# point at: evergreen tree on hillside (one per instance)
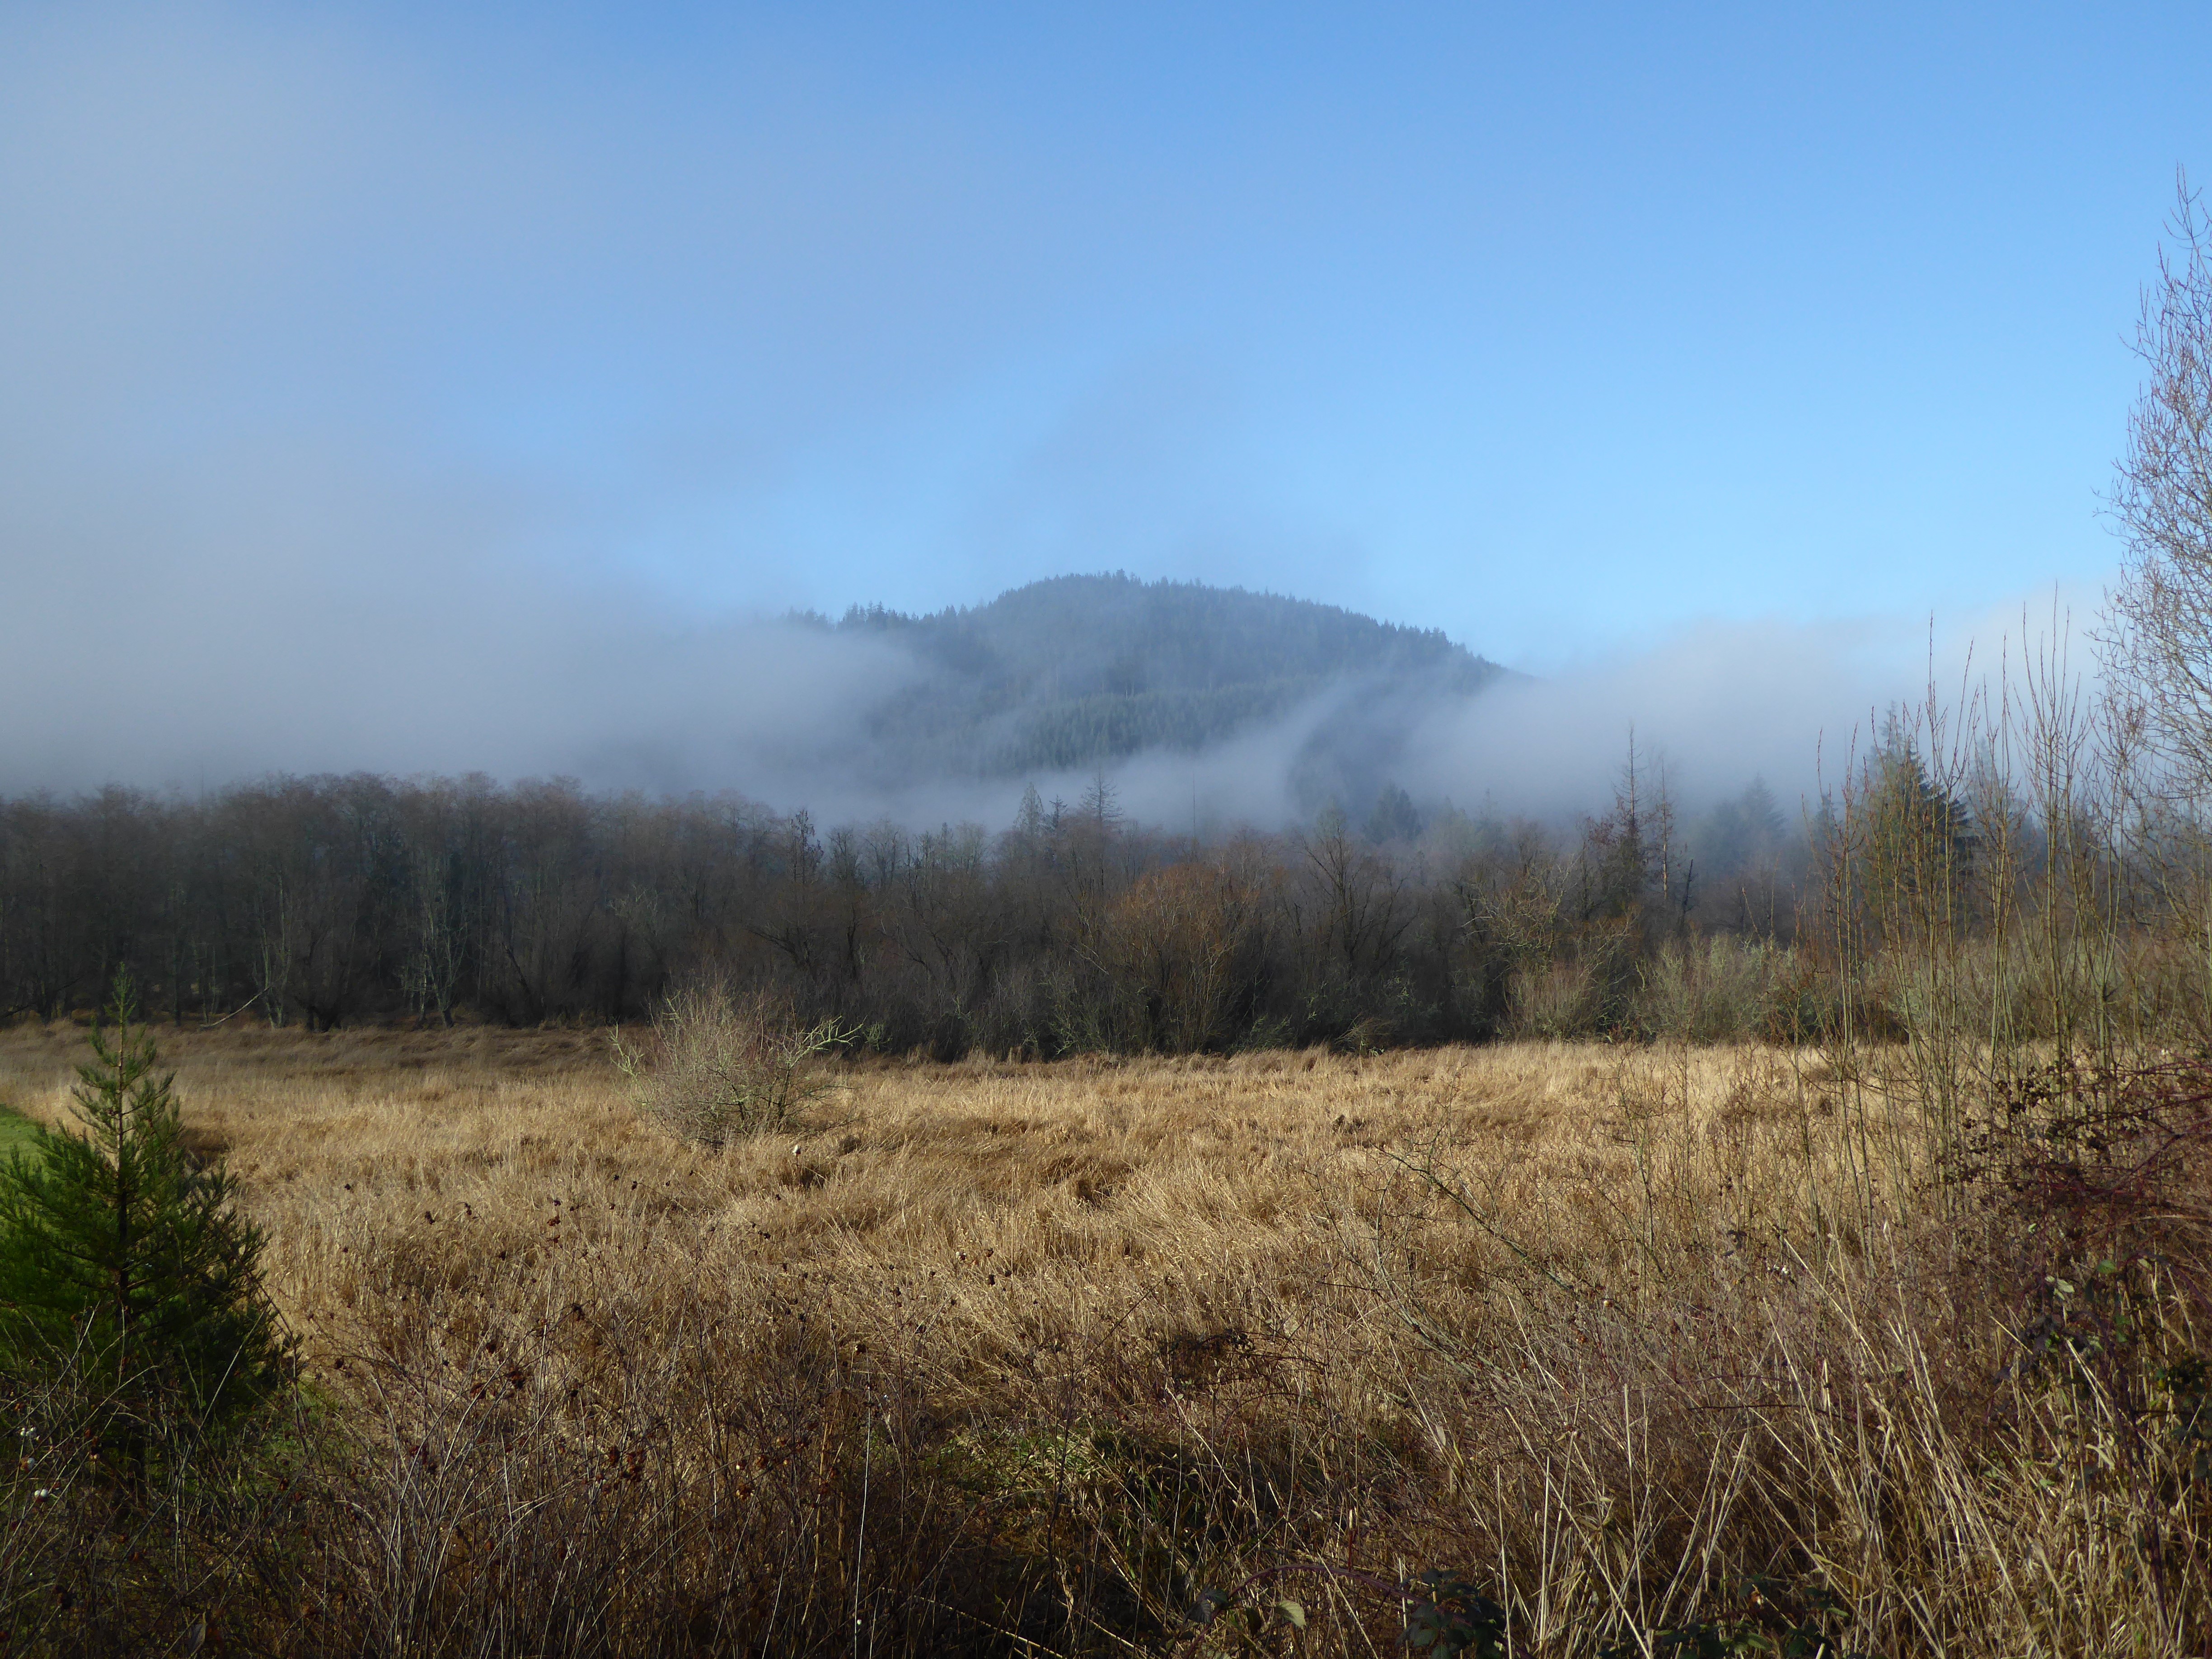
(1394, 817)
(129, 1269)
(1064, 674)
(1738, 831)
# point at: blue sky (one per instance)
(1566, 329)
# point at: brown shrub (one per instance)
(720, 1066)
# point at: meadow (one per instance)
(1628, 1348)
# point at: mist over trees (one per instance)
(1079, 672)
(1377, 917)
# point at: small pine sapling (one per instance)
(127, 1270)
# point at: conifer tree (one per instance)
(128, 1267)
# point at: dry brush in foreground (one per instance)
(1653, 1350)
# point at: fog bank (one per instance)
(224, 662)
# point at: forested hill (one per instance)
(1080, 671)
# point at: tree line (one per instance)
(322, 902)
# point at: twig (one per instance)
(209, 1024)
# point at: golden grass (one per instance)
(1069, 1344)
(1026, 1192)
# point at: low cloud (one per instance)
(1712, 705)
(411, 650)
(230, 661)
(1718, 703)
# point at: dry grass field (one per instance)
(1202, 1355)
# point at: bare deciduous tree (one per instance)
(2160, 638)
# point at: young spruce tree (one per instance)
(125, 1266)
